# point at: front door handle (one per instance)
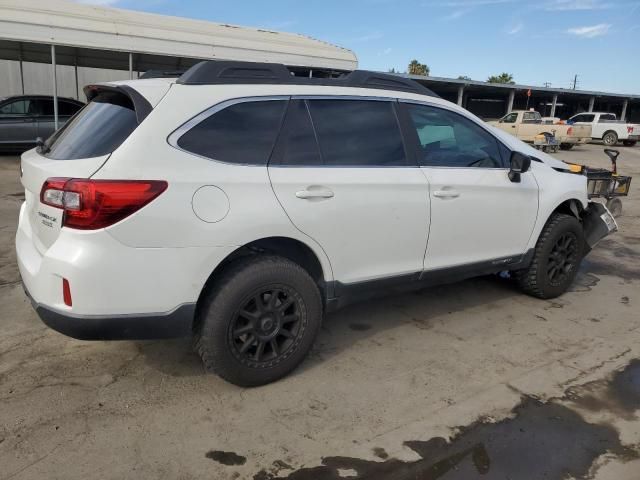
(446, 194)
(311, 192)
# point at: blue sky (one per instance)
(537, 41)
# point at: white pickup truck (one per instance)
(528, 124)
(606, 127)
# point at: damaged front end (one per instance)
(597, 222)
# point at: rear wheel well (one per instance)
(289, 248)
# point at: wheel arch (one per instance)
(287, 247)
(604, 134)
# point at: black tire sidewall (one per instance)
(565, 225)
(223, 302)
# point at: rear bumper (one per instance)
(147, 326)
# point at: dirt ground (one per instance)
(456, 382)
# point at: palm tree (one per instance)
(504, 77)
(417, 68)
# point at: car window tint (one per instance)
(297, 143)
(17, 107)
(67, 108)
(447, 139)
(607, 117)
(243, 133)
(99, 129)
(511, 118)
(357, 133)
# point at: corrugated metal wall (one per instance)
(37, 78)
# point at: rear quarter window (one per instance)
(242, 133)
(97, 130)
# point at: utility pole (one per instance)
(575, 81)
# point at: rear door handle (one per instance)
(314, 193)
(446, 194)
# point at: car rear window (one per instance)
(98, 129)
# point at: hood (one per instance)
(515, 144)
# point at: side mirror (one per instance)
(519, 163)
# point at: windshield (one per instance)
(96, 130)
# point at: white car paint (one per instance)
(379, 223)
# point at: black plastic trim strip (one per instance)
(346, 294)
(174, 324)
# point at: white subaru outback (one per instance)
(239, 203)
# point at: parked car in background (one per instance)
(528, 124)
(606, 127)
(27, 117)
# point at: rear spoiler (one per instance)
(141, 105)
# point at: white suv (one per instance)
(239, 203)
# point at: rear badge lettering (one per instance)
(47, 220)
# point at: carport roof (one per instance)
(497, 87)
(81, 26)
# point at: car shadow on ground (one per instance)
(356, 323)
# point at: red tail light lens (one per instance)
(92, 204)
(570, 131)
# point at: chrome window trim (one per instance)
(452, 110)
(173, 137)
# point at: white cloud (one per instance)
(515, 29)
(467, 3)
(573, 5)
(367, 37)
(590, 31)
(456, 14)
(98, 2)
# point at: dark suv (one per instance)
(26, 117)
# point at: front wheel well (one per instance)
(570, 207)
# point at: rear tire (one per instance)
(566, 146)
(629, 143)
(610, 138)
(556, 258)
(259, 320)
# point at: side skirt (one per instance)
(348, 293)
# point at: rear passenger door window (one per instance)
(358, 133)
(447, 139)
(242, 133)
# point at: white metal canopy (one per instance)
(65, 23)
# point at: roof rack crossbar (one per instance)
(221, 72)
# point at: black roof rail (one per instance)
(222, 72)
(162, 74)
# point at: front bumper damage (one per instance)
(597, 223)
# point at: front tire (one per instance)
(610, 138)
(556, 258)
(259, 320)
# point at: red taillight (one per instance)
(92, 204)
(629, 130)
(570, 131)
(66, 292)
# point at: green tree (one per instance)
(392, 70)
(417, 68)
(463, 77)
(504, 77)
